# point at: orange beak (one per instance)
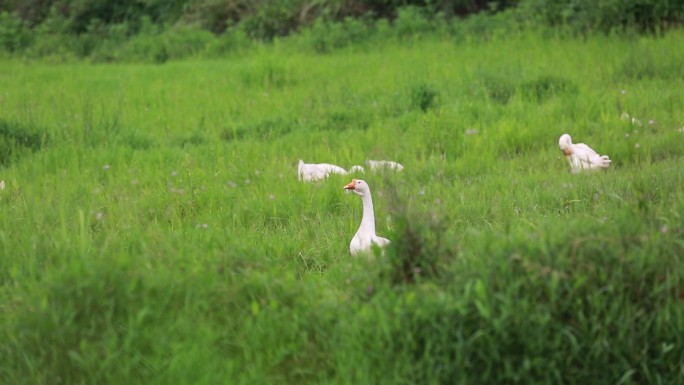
(567, 152)
(351, 185)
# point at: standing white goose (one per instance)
(581, 157)
(365, 236)
(309, 172)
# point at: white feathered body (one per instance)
(584, 158)
(363, 242)
(581, 157)
(310, 172)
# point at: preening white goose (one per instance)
(378, 165)
(309, 172)
(581, 157)
(365, 236)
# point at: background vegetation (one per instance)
(159, 30)
(153, 230)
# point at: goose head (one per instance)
(565, 144)
(358, 186)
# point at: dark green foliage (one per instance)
(194, 139)
(80, 14)
(137, 141)
(98, 29)
(412, 21)
(17, 140)
(606, 16)
(14, 35)
(423, 97)
(501, 87)
(271, 19)
(422, 248)
(325, 36)
(544, 87)
(577, 307)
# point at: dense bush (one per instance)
(606, 16)
(95, 28)
(13, 33)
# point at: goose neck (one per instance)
(368, 220)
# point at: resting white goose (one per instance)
(581, 157)
(310, 172)
(365, 236)
(377, 165)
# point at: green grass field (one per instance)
(153, 230)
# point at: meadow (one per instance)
(153, 230)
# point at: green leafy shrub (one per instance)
(423, 97)
(412, 21)
(271, 19)
(605, 16)
(229, 42)
(325, 35)
(421, 250)
(14, 35)
(576, 306)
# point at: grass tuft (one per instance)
(18, 140)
